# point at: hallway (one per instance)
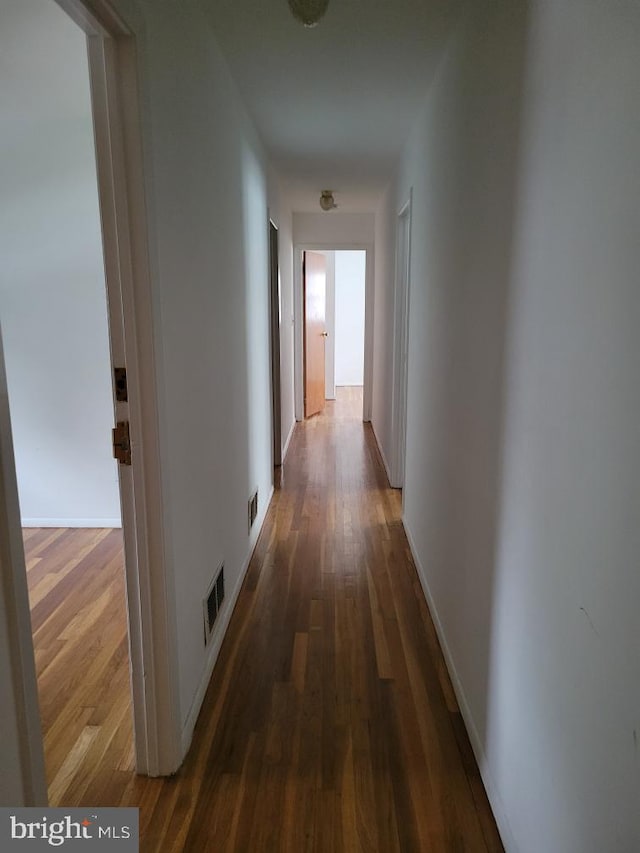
(330, 723)
(484, 155)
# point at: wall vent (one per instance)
(253, 509)
(212, 603)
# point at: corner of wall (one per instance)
(497, 806)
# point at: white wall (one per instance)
(350, 269)
(52, 291)
(522, 476)
(332, 229)
(209, 218)
(568, 533)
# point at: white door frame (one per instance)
(330, 325)
(275, 312)
(22, 750)
(298, 366)
(401, 343)
(113, 72)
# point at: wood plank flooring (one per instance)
(330, 724)
(78, 617)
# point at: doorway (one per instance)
(350, 331)
(56, 344)
(152, 685)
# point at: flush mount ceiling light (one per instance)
(327, 201)
(308, 12)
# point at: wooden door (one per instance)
(314, 295)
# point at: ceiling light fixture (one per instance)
(327, 201)
(308, 12)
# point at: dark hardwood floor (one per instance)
(330, 724)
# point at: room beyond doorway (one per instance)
(346, 289)
(79, 622)
(55, 324)
(360, 311)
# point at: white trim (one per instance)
(369, 301)
(220, 633)
(72, 522)
(495, 800)
(21, 728)
(95, 17)
(288, 441)
(275, 345)
(330, 328)
(399, 391)
(121, 175)
(152, 641)
(298, 332)
(381, 452)
(298, 249)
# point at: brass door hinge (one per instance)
(121, 443)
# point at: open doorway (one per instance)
(54, 318)
(342, 325)
(151, 692)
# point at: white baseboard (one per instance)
(220, 633)
(288, 441)
(499, 813)
(381, 452)
(71, 522)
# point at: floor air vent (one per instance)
(253, 509)
(213, 603)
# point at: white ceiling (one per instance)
(333, 104)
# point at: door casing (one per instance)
(401, 344)
(275, 321)
(113, 71)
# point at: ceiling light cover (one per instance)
(308, 12)
(327, 201)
